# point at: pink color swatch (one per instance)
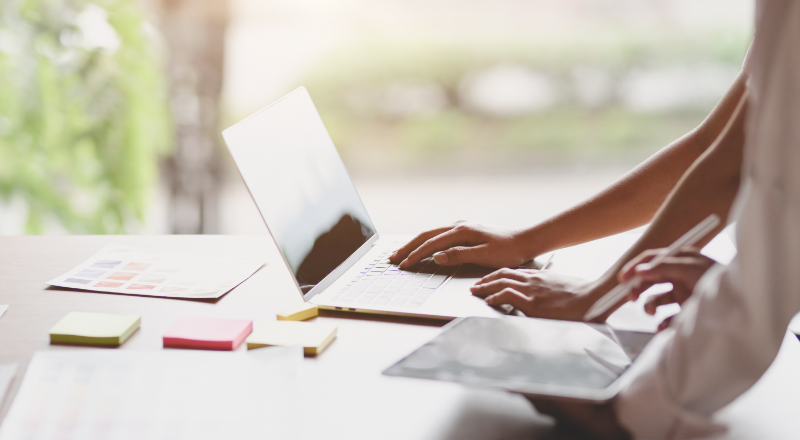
(208, 333)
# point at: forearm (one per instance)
(709, 186)
(633, 200)
(628, 203)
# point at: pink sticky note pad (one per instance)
(208, 333)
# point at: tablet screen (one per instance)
(525, 353)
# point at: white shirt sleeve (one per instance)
(730, 331)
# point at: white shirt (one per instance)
(732, 327)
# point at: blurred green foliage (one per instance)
(562, 134)
(83, 113)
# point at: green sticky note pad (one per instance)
(94, 329)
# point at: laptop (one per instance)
(322, 229)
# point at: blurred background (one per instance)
(502, 111)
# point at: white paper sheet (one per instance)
(121, 269)
(126, 394)
(3, 310)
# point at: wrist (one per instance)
(593, 292)
(534, 241)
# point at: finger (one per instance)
(484, 290)
(627, 270)
(461, 254)
(689, 251)
(637, 289)
(656, 300)
(511, 297)
(665, 323)
(678, 295)
(402, 253)
(682, 272)
(686, 260)
(514, 274)
(445, 240)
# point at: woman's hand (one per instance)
(682, 270)
(536, 293)
(464, 242)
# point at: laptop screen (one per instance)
(301, 187)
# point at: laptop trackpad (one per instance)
(455, 299)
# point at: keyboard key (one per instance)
(364, 300)
(413, 305)
(435, 281)
(398, 301)
(380, 301)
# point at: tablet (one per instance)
(539, 357)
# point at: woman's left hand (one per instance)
(536, 293)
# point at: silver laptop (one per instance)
(323, 231)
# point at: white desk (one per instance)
(343, 394)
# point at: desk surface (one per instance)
(346, 391)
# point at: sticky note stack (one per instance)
(300, 313)
(208, 333)
(312, 336)
(94, 329)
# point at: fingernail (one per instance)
(643, 267)
(440, 258)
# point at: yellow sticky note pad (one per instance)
(314, 337)
(301, 313)
(94, 329)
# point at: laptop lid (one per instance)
(302, 189)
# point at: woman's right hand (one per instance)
(465, 242)
(682, 270)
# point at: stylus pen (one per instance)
(621, 291)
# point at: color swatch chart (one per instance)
(122, 394)
(120, 269)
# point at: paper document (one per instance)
(121, 269)
(126, 394)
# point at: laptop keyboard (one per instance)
(383, 284)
